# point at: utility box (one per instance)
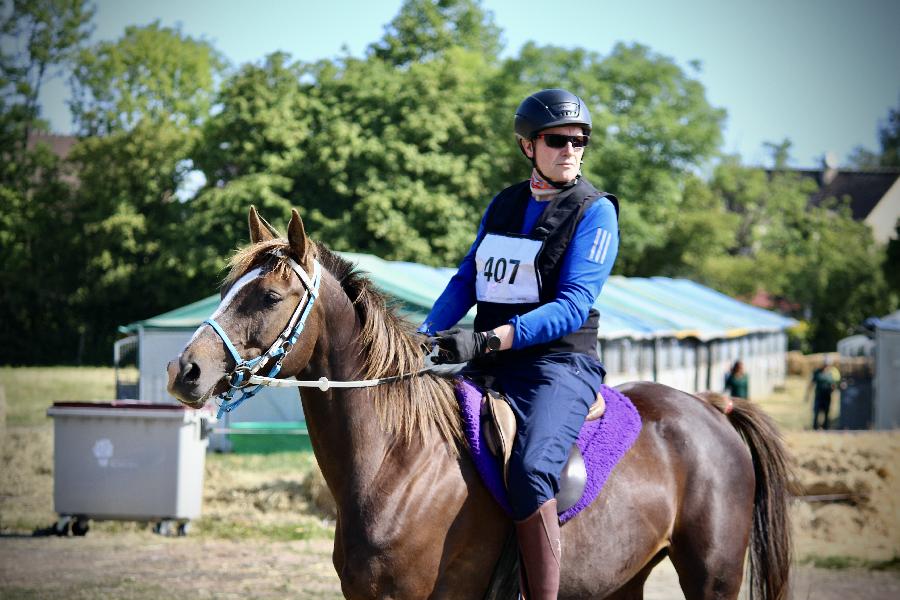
(128, 461)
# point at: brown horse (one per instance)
(413, 518)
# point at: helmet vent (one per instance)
(565, 109)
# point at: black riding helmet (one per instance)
(550, 108)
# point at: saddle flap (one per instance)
(499, 426)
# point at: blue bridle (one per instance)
(239, 378)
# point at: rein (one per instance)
(323, 383)
(245, 371)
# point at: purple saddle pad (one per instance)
(603, 442)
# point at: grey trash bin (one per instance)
(128, 461)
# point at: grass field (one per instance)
(31, 390)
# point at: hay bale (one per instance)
(856, 367)
(796, 364)
(805, 364)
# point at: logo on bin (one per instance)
(103, 451)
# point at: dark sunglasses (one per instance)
(558, 140)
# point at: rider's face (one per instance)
(559, 164)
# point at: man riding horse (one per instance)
(542, 253)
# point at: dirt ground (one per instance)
(269, 498)
(144, 566)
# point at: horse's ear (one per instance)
(297, 240)
(260, 230)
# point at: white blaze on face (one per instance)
(229, 298)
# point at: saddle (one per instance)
(498, 425)
(601, 444)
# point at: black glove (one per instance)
(456, 346)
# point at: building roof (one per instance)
(630, 307)
(60, 145)
(865, 189)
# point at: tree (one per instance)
(266, 118)
(781, 153)
(888, 138)
(152, 73)
(36, 38)
(140, 103)
(816, 258)
(891, 260)
(394, 168)
(40, 258)
(425, 29)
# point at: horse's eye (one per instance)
(271, 298)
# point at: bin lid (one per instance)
(125, 404)
(127, 409)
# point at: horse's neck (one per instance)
(351, 445)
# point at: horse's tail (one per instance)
(770, 540)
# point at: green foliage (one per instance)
(889, 136)
(395, 153)
(37, 37)
(38, 261)
(425, 29)
(816, 258)
(217, 221)
(264, 119)
(781, 153)
(95, 241)
(152, 73)
(892, 260)
(379, 159)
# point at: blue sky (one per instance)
(820, 72)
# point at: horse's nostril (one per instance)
(190, 372)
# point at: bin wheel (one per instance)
(61, 528)
(81, 526)
(184, 528)
(165, 528)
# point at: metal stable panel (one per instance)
(887, 379)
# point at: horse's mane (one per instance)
(388, 346)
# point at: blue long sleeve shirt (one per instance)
(585, 267)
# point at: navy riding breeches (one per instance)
(550, 395)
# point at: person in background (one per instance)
(736, 381)
(824, 381)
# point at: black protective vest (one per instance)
(555, 228)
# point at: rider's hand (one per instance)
(457, 346)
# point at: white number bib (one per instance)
(506, 271)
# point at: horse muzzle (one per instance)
(188, 383)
